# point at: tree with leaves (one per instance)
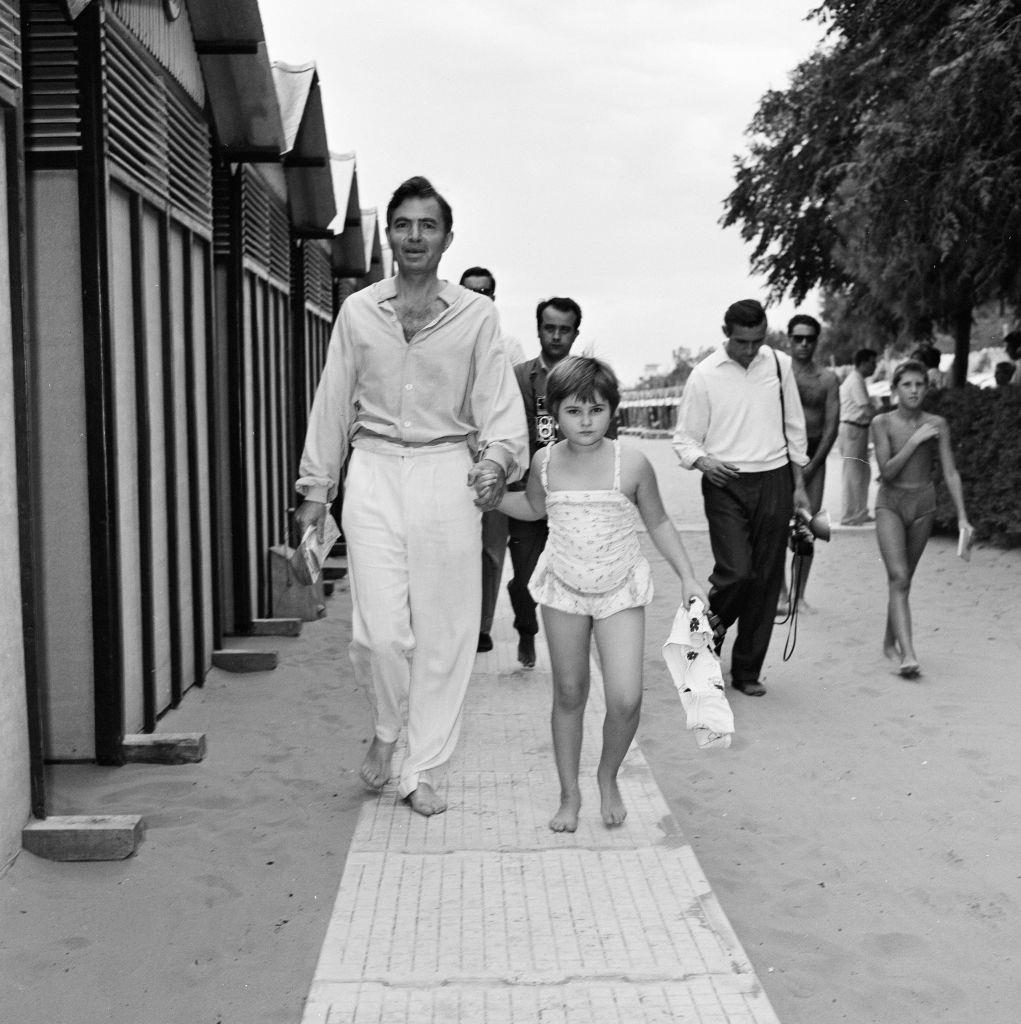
(888, 170)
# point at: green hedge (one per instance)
(985, 429)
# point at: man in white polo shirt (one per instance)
(750, 446)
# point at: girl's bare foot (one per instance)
(891, 649)
(375, 770)
(909, 669)
(426, 801)
(566, 818)
(610, 804)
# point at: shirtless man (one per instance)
(820, 398)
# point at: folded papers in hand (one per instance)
(309, 556)
(965, 535)
(696, 673)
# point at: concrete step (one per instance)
(76, 837)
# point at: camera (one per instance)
(803, 530)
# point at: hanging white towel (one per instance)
(696, 673)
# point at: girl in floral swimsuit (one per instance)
(593, 578)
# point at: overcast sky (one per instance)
(585, 145)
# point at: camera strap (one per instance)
(794, 595)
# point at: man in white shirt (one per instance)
(856, 413)
(418, 384)
(494, 522)
(741, 424)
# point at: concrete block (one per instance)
(164, 748)
(83, 836)
(245, 661)
(275, 627)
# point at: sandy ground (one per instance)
(862, 833)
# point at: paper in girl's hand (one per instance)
(696, 673)
(310, 555)
(964, 538)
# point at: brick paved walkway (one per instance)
(482, 915)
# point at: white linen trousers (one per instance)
(414, 543)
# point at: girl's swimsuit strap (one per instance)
(544, 472)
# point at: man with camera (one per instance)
(741, 424)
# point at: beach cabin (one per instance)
(20, 787)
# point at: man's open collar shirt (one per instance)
(452, 383)
(734, 414)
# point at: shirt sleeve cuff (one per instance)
(314, 491)
(688, 454)
(499, 454)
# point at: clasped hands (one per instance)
(490, 481)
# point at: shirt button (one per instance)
(407, 423)
(409, 387)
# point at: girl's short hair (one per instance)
(909, 366)
(582, 377)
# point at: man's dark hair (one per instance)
(561, 305)
(863, 355)
(1012, 343)
(928, 357)
(419, 188)
(584, 378)
(744, 313)
(803, 319)
(478, 272)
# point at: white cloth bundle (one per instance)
(696, 673)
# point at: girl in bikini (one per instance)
(592, 578)
(908, 443)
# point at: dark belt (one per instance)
(851, 423)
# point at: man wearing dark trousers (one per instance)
(494, 522)
(750, 448)
(557, 320)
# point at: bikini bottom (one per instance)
(910, 504)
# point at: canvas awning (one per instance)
(348, 247)
(377, 255)
(231, 45)
(306, 152)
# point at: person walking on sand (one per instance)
(856, 412)
(418, 384)
(592, 579)
(558, 321)
(740, 423)
(819, 390)
(494, 522)
(909, 443)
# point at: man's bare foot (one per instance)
(426, 801)
(526, 651)
(375, 770)
(611, 805)
(804, 608)
(891, 649)
(566, 818)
